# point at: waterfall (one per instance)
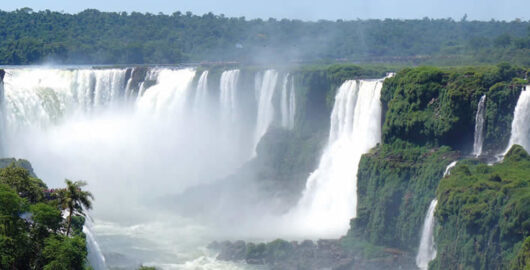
(141, 150)
(329, 200)
(288, 102)
(521, 122)
(449, 167)
(292, 104)
(427, 249)
(479, 127)
(201, 95)
(95, 256)
(264, 93)
(40, 97)
(228, 100)
(2, 113)
(169, 94)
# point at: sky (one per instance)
(301, 9)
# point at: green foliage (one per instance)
(395, 184)
(74, 199)
(522, 261)
(46, 217)
(66, 253)
(20, 179)
(98, 37)
(437, 106)
(31, 225)
(483, 214)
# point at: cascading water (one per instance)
(479, 127)
(427, 249)
(264, 95)
(228, 100)
(521, 122)
(41, 97)
(201, 95)
(95, 256)
(449, 167)
(288, 102)
(79, 123)
(329, 200)
(2, 113)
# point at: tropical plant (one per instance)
(74, 199)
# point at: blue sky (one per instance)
(301, 9)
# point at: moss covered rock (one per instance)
(396, 183)
(484, 215)
(437, 106)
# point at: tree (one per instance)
(75, 200)
(21, 181)
(64, 253)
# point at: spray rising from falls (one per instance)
(264, 93)
(329, 200)
(521, 121)
(479, 127)
(129, 136)
(427, 249)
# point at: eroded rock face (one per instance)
(324, 254)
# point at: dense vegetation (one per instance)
(111, 38)
(484, 215)
(33, 232)
(437, 106)
(394, 181)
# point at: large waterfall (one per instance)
(479, 127)
(129, 135)
(264, 93)
(139, 136)
(329, 200)
(427, 249)
(521, 121)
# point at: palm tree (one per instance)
(75, 200)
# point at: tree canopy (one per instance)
(94, 37)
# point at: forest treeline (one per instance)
(94, 37)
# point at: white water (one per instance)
(288, 102)
(228, 100)
(479, 127)
(2, 118)
(264, 95)
(449, 167)
(135, 155)
(95, 256)
(427, 249)
(329, 200)
(201, 94)
(520, 133)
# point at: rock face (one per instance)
(324, 254)
(4, 162)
